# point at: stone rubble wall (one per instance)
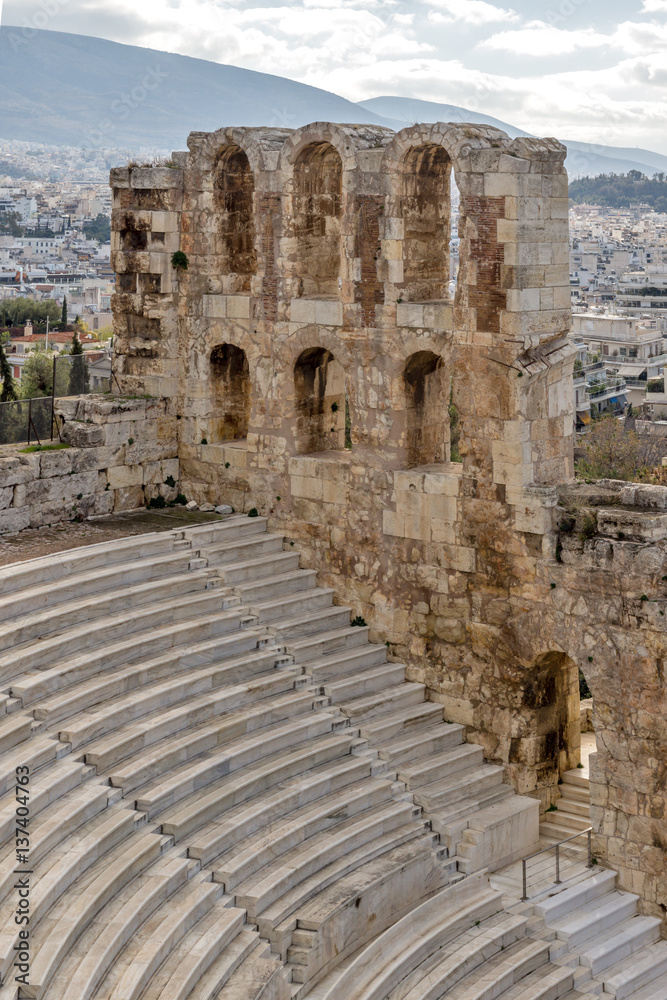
(120, 454)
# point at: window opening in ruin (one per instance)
(427, 391)
(235, 190)
(318, 184)
(454, 426)
(319, 389)
(454, 240)
(427, 225)
(230, 391)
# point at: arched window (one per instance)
(427, 412)
(235, 189)
(552, 694)
(426, 214)
(319, 390)
(230, 384)
(318, 176)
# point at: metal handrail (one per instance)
(588, 831)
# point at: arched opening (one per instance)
(426, 213)
(318, 182)
(235, 190)
(427, 416)
(319, 390)
(230, 383)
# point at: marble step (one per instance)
(400, 696)
(241, 549)
(163, 739)
(595, 917)
(327, 642)
(89, 607)
(277, 585)
(338, 666)
(246, 819)
(272, 564)
(368, 681)
(400, 722)
(291, 606)
(621, 941)
(279, 838)
(423, 743)
(460, 785)
(575, 777)
(425, 771)
(565, 900)
(326, 619)
(285, 749)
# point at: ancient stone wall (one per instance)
(121, 455)
(322, 255)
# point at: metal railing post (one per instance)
(590, 854)
(53, 393)
(29, 419)
(557, 864)
(525, 881)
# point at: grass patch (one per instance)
(42, 447)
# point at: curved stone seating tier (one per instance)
(232, 790)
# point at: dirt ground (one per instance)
(34, 542)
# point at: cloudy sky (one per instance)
(593, 70)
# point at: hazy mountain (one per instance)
(582, 159)
(65, 89)
(75, 90)
(411, 110)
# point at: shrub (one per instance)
(157, 502)
(179, 261)
(359, 621)
(253, 512)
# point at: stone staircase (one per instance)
(572, 812)
(595, 930)
(232, 792)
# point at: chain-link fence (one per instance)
(46, 379)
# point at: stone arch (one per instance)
(317, 212)
(426, 214)
(427, 420)
(230, 392)
(234, 187)
(319, 395)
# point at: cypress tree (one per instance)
(8, 391)
(79, 379)
(63, 315)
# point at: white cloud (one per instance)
(536, 38)
(476, 12)
(654, 7)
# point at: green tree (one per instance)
(98, 229)
(79, 377)
(8, 391)
(613, 452)
(10, 224)
(37, 378)
(63, 313)
(17, 311)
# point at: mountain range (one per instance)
(76, 90)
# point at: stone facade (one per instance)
(121, 454)
(317, 286)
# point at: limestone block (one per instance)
(238, 306)
(55, 463)
(125, 476)
(164, 222)
(87, 459)
(18, 469)
(6, 497)
(104, 502)
(82, 435)
(418, 527)
(309, 489)
(636, 527)
(439, 316)
(128, 498)
(170, 467)
(410, 314)
(14, 519)
(393, 523)
(155, 177)
(499, 185)
(409, 480)
(302, 311)
(440, 508)
(335, 492)
(446, 483)
(647, 497)
(328, 313)
(411, 502)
